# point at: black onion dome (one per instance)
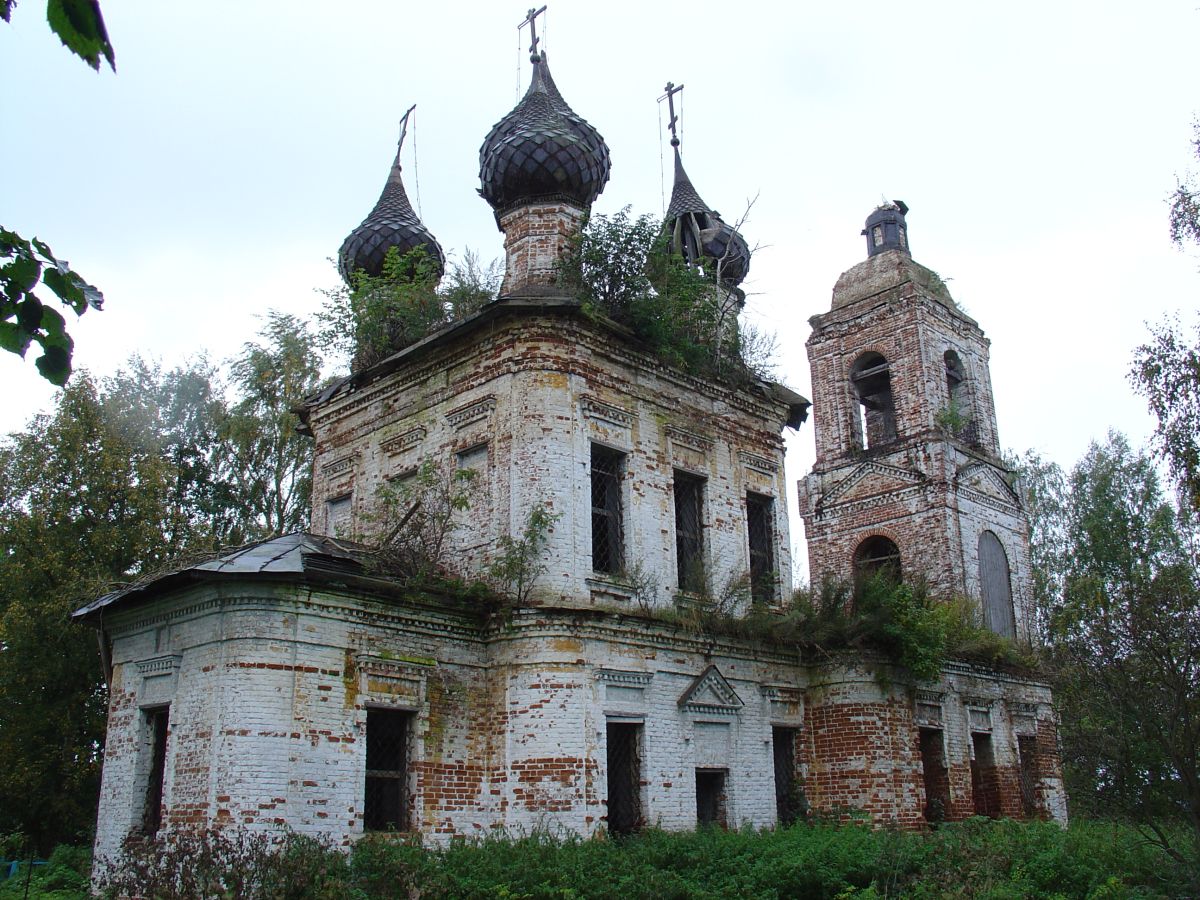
(699, 234)
(542, 150)
(392, 223)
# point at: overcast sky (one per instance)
(216, 173)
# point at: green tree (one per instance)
(268, 467)
(24, 317)
(1125, 646)
(1185, 205)
(81, 506)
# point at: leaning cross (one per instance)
(672, 90)
(531, 21)
(404, 129)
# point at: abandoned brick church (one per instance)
(288, 684)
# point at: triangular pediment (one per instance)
(710, 693)
(871, 478)
(982, 478)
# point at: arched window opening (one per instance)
(872, 381)
(995, 581)
(955, 394)
(877, 555)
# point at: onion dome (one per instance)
(392, 223)
(700, 235)
(542, 151)
(886, 229)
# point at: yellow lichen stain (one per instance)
(350, 680)
(567, 645)
(552, 379)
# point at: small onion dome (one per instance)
(542, 150)
(700, 235)
(886, 229)
(392, 223)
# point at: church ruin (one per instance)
(288, 684)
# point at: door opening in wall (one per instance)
(985, 785)
(710, 796)
(624, 777)
(933, 769)
(156, 722)
(789, 796)
(385, 801)
(1028, 773)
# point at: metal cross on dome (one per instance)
(531, 21)
(404, 129)
(672, 90)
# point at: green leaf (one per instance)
(29, 314)
(14, 338)
(42, 248)
(55, 365)
(67, 287)
(55, 328)
(6, 9)
(80, 26)
(22, 273)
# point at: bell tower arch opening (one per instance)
(871, 381)
(995, 586)
(877, 555)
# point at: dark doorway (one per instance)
(789, 798)
(1030, 773)
(933, 769)
(710, 797)
(157, 721)
(985, 786)
(624, 777)
(385, 806)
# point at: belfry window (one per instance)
(872, 382)
(607, 542)
(877, 555)
(955, 394)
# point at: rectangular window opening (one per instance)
(156, 724)
(1029, 773)
(759, 509)
(710, 797)
(385, 806)
(789, 795)
(624, 777)
(935, 775)
(607, 539)
(689, 531)
(985, 786)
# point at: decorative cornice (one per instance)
(758, 463)
(472, 412)
(402, 442)
(615, 676)
(159, 665)
(339, 465)
(931, 697)
(606, 412)
(689, 439)
(712, 681)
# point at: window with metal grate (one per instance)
(385, 806)
(759, 509)
(607, 540)
(156, 725)
(689, 531)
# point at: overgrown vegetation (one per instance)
(876, 613)
(621, 268)
(376, 316)
(974, 859)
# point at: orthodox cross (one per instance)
(672, 90)
(531, 21)
(404, 129)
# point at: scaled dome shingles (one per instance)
(392, 223)
(712, 237)
(542, 150)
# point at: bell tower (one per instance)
(908, 474)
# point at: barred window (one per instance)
(762, 557)
(689, 531)
(385, 806)
(607, 541)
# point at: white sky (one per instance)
(214, 176)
